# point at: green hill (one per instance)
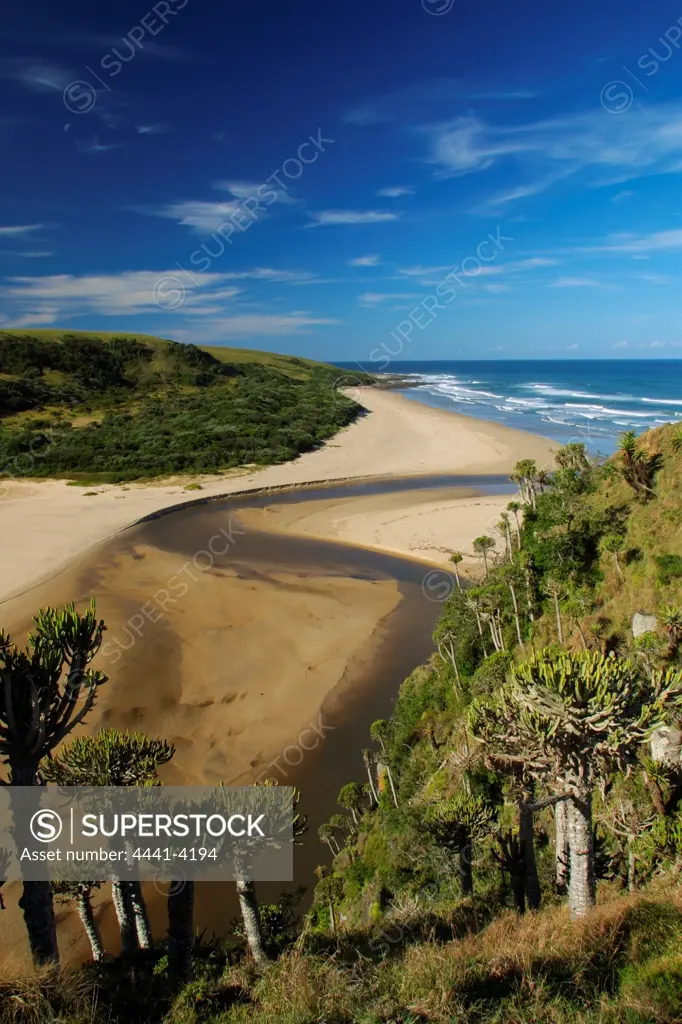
(114, 407)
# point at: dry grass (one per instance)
(621, 965)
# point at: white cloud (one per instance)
(270, 274)
(206, 216)
(659, 241)
(574, 282)
(654, 278)
(647, 141)
(248, 325)
(325, 218)
(396, 191)
(620, 197)
(494, 288)
(375, 298)
(24, 255)
(36, 73)
(126, 294)
(371, 260)
(621, 344)
(199, 215)
(31, 320)
(151, 129)
(514, 267)
(213, 307)
(14, 230)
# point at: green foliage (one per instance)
(110, 758)
(48, 688)
(155, 410)
(669, 568)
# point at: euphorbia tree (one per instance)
(572, 719)
(46, 689)
(456, 823)
(113, 758)
(482, 545)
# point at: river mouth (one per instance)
(273, 661)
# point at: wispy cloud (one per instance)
(243, 326)
(272, 274)
(396, 191)
(152, 129)
(204, 216)
(647, 141)
(17, 230)
(372, 260)
(513, 267)
(36, 73)
(575, 282)
(126, 294)
(214, 309)
(417, 102)
(659, 241)
(93, 145)
(28, 254)
(376, 298)
(325, 218)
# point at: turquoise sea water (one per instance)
(592, 401)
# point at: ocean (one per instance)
(590, 401)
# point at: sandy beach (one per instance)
(45, 525)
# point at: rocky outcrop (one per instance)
(643, 623)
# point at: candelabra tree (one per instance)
(113, 758)
(46, 690)
(571, 719)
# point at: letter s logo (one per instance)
(46, 826)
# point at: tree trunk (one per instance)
(180, 930)
(516, 615)
(385, 769)
(518, 887)
(459, 582)
(332, 917)
(557, 611)
(583, 641)
(36, 900)
(38, 910)
(87, 916)
(123, 905)
(632, 867)
(561, 851)
(371, 781)
(581, 884)
(617, 561)
(509, 542)
(466, 877)
(248, 903)
(485, 562)
(530, 868)
(144, 932)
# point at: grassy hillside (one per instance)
(108, 407)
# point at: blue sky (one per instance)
(427, 178)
